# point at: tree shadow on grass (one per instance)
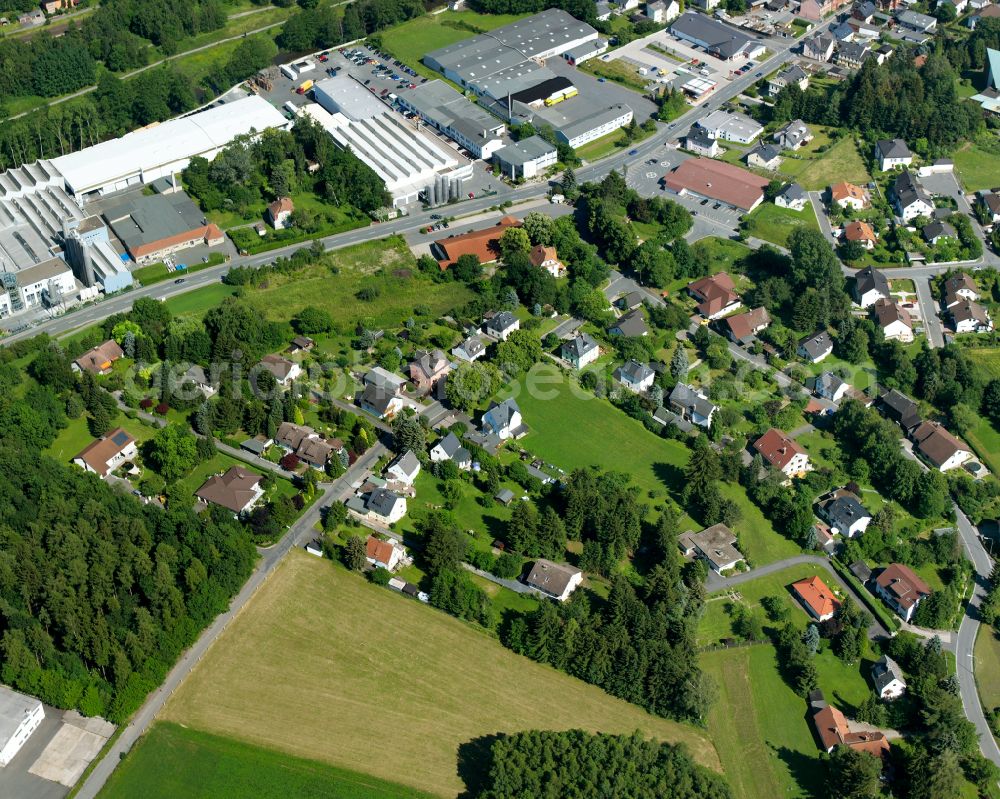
(808, 772)
(475, 759)
(671, 476)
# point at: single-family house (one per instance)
(631, 300)
(384, 554)
(901, 589)
(279, 213)
(842, 32)
(302, 344)
(832, 730)
(199, 378)
(919, 23)
(700, 142)
(990, 200)
(580, 350)
(630, 325)
(450, 448)
(829, 386)
(847, 195)
(547, 258)
(716, 545)
(385, 505)
(939, 447)
(815, 596)
(106, 454)
(716, 295)
(555, 580)
(469, 350)
(663, 11)
(284, 370)
(970, 317)
(427, 369)
(503, 420)
(959, 287)
(783, 453)
(500, 325)
(793, 135)
(310, 447)
(864, 11)
(899, 408)
(870, 285)
(98, 360)
(742, 328)
(888, 678)
(894, 320)
(793, 75)
(843, 511)
(634, 376)
(860, 231)
(237, 490)
(763, 156)
(692, 405)
(910, 198)
(793, 197)
(816, 347)
(378, 402)
(404, 469)
(936, 232)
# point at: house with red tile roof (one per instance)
(833, 730)
(782, 453)
(818, 600)
(716, 295)
(901, 589)
(484, 244)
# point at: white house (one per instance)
(692, 405)
(554, 579)
(939, 447)
(501, 325)
(793, 197)
(970, 317)
(580, 351)
(20, 716)
(892, 153)
(781, 451)
(386, 506)
(845, 514)
(888, 678)
(870, 286)
(502, 419)
(634, 376)
(547, 258)
(469, 350)
(895, 321)
(450, 448)
(830, 387)
(816, 347)
(284, 370)
(404, 469)
(384, 554)
(910, 198)
(106, 454)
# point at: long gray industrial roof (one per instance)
(148, 218)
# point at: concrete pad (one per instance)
(68, 755)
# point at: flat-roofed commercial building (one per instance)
(457, 117)
(600, 124)
(717, 38)
(717, 180)
(165, 149)
(151, 227)
(526, 158)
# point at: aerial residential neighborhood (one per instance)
(500, 400)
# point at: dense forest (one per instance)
(99, 593)
(576, 764)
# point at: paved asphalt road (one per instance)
(298, 535)
(717, 583)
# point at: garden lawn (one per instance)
(722, 253)
(322, 664)
(76, 436)
(573, 429)
(841, 162)
(985, 440)
(716, 623)
(986, 358)
(171, 761)
(759, 541)
(774, 224)
(387, 266)
(977, 168)
(760, 726)
(200, 301)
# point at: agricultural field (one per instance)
(323, 665)
(171, 761)
(774, 224)
(387, 266)
(760, 726)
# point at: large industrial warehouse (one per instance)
(165, 149)
(407, 160)
(455, 116)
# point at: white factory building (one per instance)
(407, 160)
(20, 716)
(163, 150)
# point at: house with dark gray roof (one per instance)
(910, 198)
(692, 405)
(793, 135)
(830, 386)
(899, 408)
(763, 156)
(501, 325)
(816, 347)
(630, 324)
(450, 448)
(888, 678)
(636, 377)
(845, 514)
(503, 420)
(793, 197)
(580, 350)
(870, 285)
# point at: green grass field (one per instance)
(200, 301)
(774, 224)
(386, 265)
(619, 71)
(75, 436)
(759, 541)
(412, 40)
(171, 761)
(988, 667)
(985, 440)
(841, 162)
(978, 168)
(760, 727)
(721, 253)
(987, 359)
(323, 665)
